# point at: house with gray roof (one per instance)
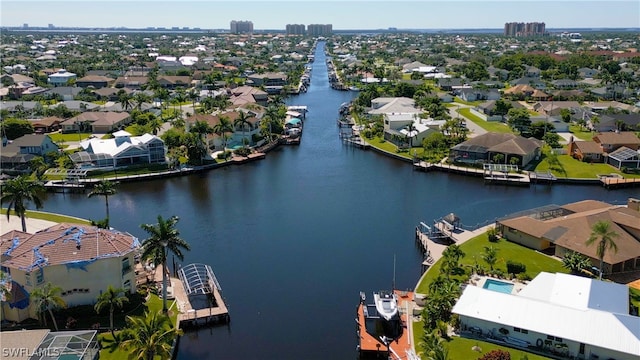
(483, 148)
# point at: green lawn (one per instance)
(390, 147)
(581, 134)
(470, 103)
(50, 217)
(572, 168)
(473, 249)
(153, 304)
(59, 137)
(487, 125)
(460, 348)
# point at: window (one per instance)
(549, 337)
(516, 329)
(126, 266)
(27, 277)
(558, 339)
(525, 331)
(127, 285)
(581, 351)
(40, 276)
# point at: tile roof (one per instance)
(589, 147)
(615, 138)
(68, 243)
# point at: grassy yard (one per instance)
(154, 304)
(579, 133)
(571, 168)
(460, 348)
(470, 103)
(59, 137)
(487, 125)
(51, 217)
(473, 249)
(390, 147)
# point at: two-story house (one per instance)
(17, 154)
(83, 260)
(62, 78)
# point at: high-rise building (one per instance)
(241, 27)
(524, 29)
(319, 29)
(296, 29)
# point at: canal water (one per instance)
(295, 237)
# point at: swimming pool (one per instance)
(499, 286)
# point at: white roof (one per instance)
(188, 60)
(111, 147)
(561, 305)
(121, 133)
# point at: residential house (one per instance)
(67, 93)
(111, 94)
(95, 81)
(96, 122)
(564, 84)
(16, 154)
(131, 82)
(408, 129)
(616, 122)
(83, 260)
(122, 150)
(46, 125)
(611, 141)
(587, 73)
(555, 312)
(554, 108)
(62, 78)
(76, 105)
(393, 105)
(531, 81)
(498, 74)
(566, 228)
(587, 151)
(531, 72)
(483, 148)
(65, 344)
(449, 84)
(477, 94)
(268, 79)
(172, 82)
(248, 94)
(413, 67)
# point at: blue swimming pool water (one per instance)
(499, 286)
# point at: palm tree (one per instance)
(19, 191)
(243, 121)
(111, 298)
(149, 336)
(222, 128)
(602, 233)
(124, 99)
(104, 188)
(47, 298)
(163, 236)
(490, 256)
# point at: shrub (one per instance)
(523, 277)
(493, 235)
(514, 267)
(496, 355)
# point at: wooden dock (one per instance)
(494, 177)
(615, 182)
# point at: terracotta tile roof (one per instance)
(6, 240)
(572, 231)
(68, 243)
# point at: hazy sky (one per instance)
(349, 14)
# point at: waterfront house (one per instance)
(268, 79)
(588, 151)
(406, 129)
(61, 78)
(483, 148)
(611, 141)
(15, 156)
(96, 122)
(83, 260)
(122, 150)
(393, 105)
(560, 229)
(555, 313)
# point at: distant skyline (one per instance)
(343, 15)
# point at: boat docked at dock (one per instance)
(386, 304)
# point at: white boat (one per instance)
(386, 304)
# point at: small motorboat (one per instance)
(386, 304)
